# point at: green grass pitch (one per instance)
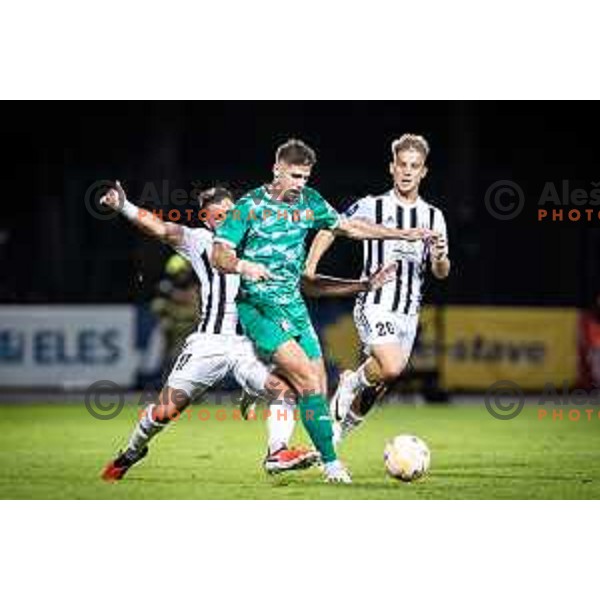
(49, 451)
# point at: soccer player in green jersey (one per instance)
(262, 239)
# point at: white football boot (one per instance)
(343, 398)
(335, 472)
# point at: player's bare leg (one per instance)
(156, 417)
(359, 390)
(319, 367)
(306, 379)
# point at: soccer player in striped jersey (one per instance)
(387, 319)
(218, 347)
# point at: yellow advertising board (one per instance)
(425, 351)
(530, 346)
(481, 345)
(341, 343)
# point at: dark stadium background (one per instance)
(52, 251)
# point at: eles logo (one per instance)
(86, 347)
(12, 346)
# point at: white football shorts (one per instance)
(379, 326)
(206, 358)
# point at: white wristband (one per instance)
(129, 210)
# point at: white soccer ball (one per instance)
(406, 457)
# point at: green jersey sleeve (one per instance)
(324, 215)
(232, 228)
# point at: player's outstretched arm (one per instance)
(170, 233)
(225, 260)
(323, 285)
(360, 229)
(319, 246)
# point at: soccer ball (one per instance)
(406, 457)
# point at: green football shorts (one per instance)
(269, 329)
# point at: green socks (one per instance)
(315, 417)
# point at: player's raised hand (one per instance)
(439, 248)
(115, 197)
(253, 271)
(382, 276)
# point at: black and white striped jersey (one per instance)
(403, 294)
(217, 290)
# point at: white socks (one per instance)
(280, 425)
(145, 430)
(357, 380)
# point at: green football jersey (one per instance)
(272, 233)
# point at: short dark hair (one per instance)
(213, 195)
(296, 152)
